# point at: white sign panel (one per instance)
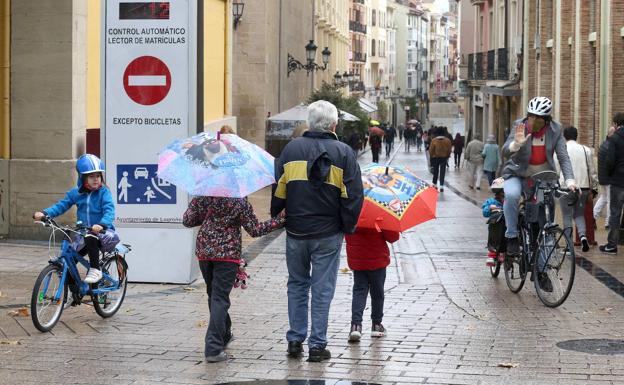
(146, 105)
(149, 100)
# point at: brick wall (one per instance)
(589, 72)
(566, 101)
(617, 64)
(531, 51)
(547, 58)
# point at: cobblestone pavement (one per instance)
(448, 322)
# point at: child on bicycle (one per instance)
(493, 210)
(368, 256)
(218, 250)
(95, 209)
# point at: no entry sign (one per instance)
(147, 80)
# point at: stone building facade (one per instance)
(45, 106)
(270, 31)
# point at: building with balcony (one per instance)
(376, 77)
(492, 66)
(358, 12)
(333, 29)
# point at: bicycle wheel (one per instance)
(495, 270)
(108, 303)
(45, 307)
(515, 265)
(554, 270)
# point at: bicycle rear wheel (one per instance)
(46, 306)
(555, 268)
(495, 270)
(114, 269)
(516, 265)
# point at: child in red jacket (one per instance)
(368, 256)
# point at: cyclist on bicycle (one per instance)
(95, 209)
(530, 148)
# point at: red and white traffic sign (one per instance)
(147, 80)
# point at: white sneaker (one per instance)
(93, 276)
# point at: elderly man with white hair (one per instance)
(320, 186)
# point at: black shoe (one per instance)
(295, 349)
(217, 358)
(608, 249)
(228, 338)
(319, 354)
(544, 282)
(513, 246)
(585, 244)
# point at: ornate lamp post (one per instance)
(294, 64)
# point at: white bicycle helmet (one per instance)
(540, 106)
(497, 185)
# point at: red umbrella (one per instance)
(395, 199)
(376, 131)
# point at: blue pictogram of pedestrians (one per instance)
(138, 184)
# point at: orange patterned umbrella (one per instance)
(395, 199)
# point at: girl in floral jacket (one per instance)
(218, 250)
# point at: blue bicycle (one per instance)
(62, 277)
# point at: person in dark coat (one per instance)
(319, 184)
(611, 168)
(375, 145)
(368, 256)
(458, 148)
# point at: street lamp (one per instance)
(237, 12)
(294, 64)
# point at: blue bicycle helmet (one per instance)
(88, 164)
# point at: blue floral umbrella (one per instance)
(221, 165)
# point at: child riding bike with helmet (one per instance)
(529, 149)
(493, 210)
(95, 209)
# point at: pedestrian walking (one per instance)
(612, 162)
(389, 140)
(491, 158)
(458, 148)
(320, 186)
(474, 156)
(375, 145)
(368, 256)
(401, 131)
(603, 202)
(218, 251)
(573, 205)
(439, 152)
(355, 142)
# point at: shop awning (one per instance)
(367, 105)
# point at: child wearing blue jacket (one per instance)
(95, 209)
(493, 210)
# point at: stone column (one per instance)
(48, 109)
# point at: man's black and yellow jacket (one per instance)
(320, 186)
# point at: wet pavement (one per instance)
(448, 321)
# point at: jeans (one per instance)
(388, 148)
(363, 281)
(457, 159)
(617, 201)
(491, 175)
(513, 192)
(576, 211)
(219, 278)
(439, 168)
(322, 257)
